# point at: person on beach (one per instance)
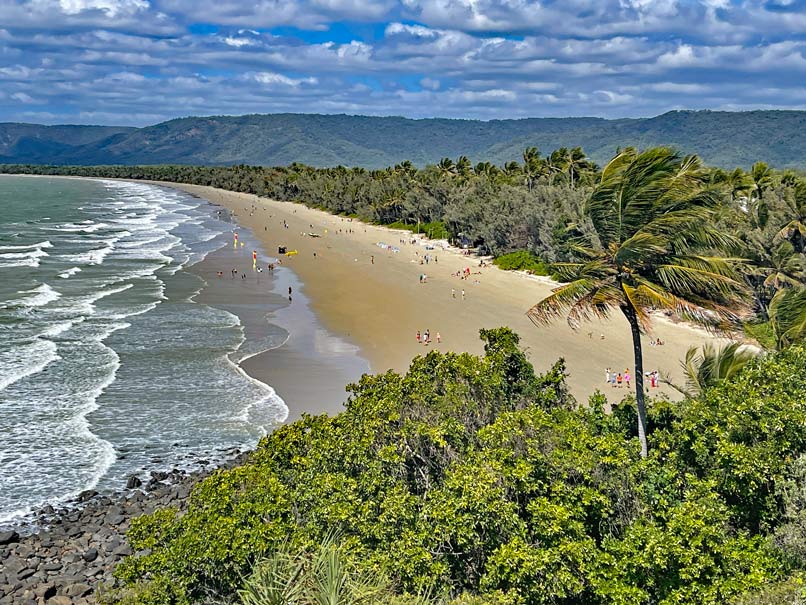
(607, 376)
(627, 377)
(463, 294)
(439, 338)
(613, 380)
(453, 292)
(372, 259)
(418, 336)
(619, 379)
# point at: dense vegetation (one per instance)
(725, 139)
(473, 476)
(472, 480)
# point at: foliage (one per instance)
(522, 260)
(432, 230)
(725, 139)
(475, 480)
(707, 366)
(788, 592)
(788, 316)
(322, 577)
(492, 208)
(653, 215)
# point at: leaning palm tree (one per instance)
(651, 212)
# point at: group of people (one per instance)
(616, 379)
(463, 273)
(425, 337)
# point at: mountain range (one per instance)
(725, 139)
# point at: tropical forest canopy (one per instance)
(724, 139)
(473, 480)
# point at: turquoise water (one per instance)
(107, 365)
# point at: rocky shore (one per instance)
(65, 555)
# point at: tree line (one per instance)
(713, 486)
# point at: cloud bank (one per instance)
(142, 61)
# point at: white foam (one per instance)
(93, 298)
(29, 258)
(58, 328)
(38, 297)
(75, 228)
(45, 244)
(25, 360)
(69, 272)
(95, 256)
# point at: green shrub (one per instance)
(473, 476)
(522, 260)
(433, 230)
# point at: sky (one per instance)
(139, 62)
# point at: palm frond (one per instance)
(561, 300)
(708, 366)
(700, 276)
(599, 303)
(788, 316)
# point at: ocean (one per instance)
(108, 364)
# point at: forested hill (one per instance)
(725, 139)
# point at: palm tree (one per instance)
(577, 163)
(652, 213)
(707, 366)
(557, 162)
(532, 165)
(782, 268)
(739, 183)
(788, 316)
(446, 167)
(761, 174)
(795, 229)
(463, 166)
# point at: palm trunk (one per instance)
(632, 318)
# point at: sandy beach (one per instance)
(373, 297)
(312, 366)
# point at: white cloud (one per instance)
(274, 79)
(112, 8)
(117, 60)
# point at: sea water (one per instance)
(107, 364)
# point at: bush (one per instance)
(433, 230)
(522, 260)
(472, 478)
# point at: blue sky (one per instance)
(138, 62)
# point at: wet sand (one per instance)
(307, 366)
(379, 306)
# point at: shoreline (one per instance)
(277, 355)
(261, 305)
(66, 550)
(377, 304)
(78, 545)
(371, 296)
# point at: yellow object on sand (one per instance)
(291, 253)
